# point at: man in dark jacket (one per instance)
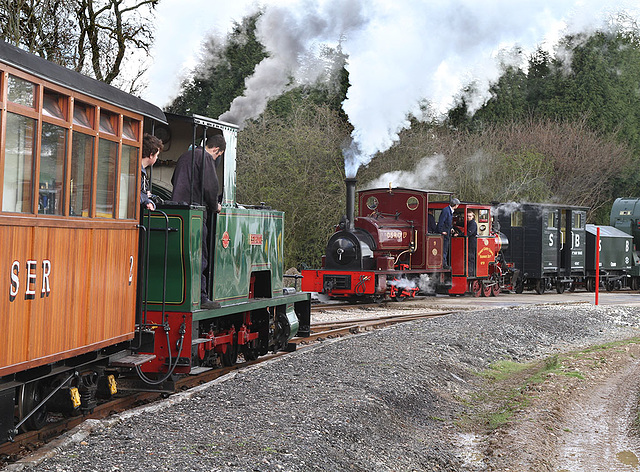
(151, 147)
(445, 226)
(202, 189)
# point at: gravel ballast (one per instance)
(385, 400)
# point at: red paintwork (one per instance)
(397, 220)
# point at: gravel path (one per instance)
(386, 400)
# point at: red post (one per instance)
(597, 263)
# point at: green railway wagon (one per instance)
(625, 216)
(616, 257)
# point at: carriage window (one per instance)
(108, 122)
(128, 173)
(105, 196)
(483, 216)
(21, 91)
(81, 158)
(577, 220)
(516, 219)
(18, 164)
(130, 129)
(52, 153)
(54, 105)
(83, 114)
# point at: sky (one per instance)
(400, 52)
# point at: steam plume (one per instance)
(428, 174)
(407, 51)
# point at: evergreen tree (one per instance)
(220, 76)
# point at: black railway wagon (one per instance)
(546, 242)
(616, 257)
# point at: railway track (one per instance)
(29, 442)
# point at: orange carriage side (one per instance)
(70, 167)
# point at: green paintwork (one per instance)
(255, 246)
(183, 260)
(625, 216)
(616, 248)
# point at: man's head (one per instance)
(215, 145)
(151, 147)
(454, 203)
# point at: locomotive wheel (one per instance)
(495, 289)
(30, 395)
(540, 286)
(475, 287)
(486, 290)
(520, 287)
(249, 353)
(591, 285)
(560, 287)
(399, 298)
(610, 285)
(230, 357)
(635, 283)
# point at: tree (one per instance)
(89, 36)
(294, 164)
(220, 75)
(107, 29)
(521, 160)
(41, 27)
(593, 76)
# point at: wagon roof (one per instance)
(552, 206)
(608, 231)
(68, 78)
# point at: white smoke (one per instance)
(506, 209)
(291, 34)
(403, 52)
(428, 174)
(424, 284)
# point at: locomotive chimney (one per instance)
(351, 201)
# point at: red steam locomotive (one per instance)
(390, 249)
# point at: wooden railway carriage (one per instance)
(546, 242)
(70, 160)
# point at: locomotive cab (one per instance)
(256, 313)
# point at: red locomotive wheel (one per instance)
(486, 290)
(495, 289)
(475, 287)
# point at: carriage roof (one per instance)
(59, 75)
